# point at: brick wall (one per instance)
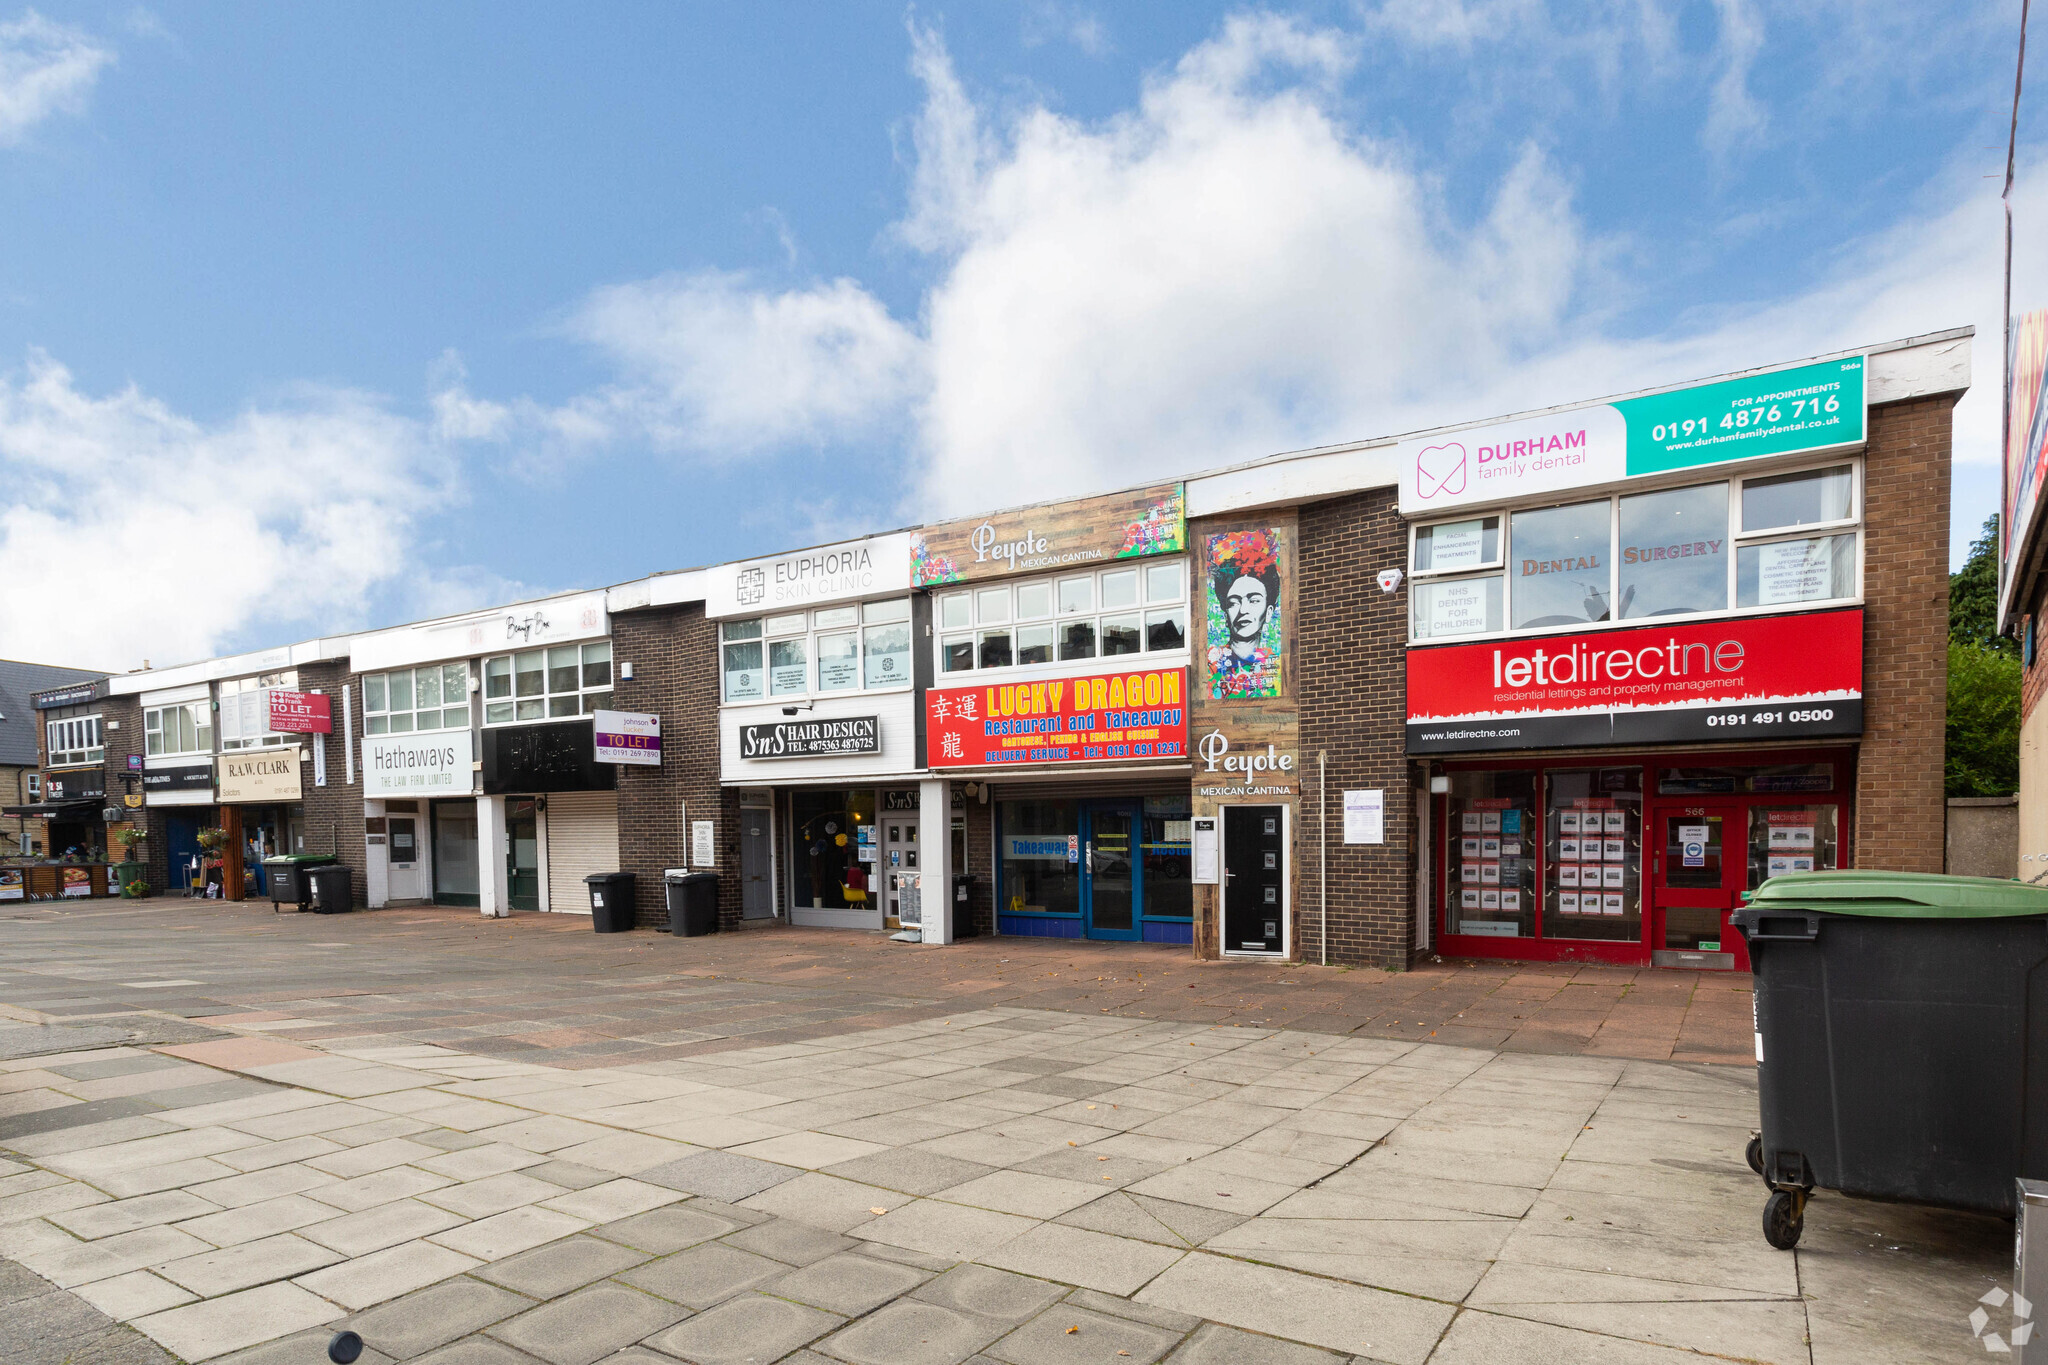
(1900, 815)
(674, 653)
(334, 813)
(1350, 642)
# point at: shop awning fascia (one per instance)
(53, 807)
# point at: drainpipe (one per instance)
(1323, 850)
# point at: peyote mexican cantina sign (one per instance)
(1747, 679)
(1145, 521)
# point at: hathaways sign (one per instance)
(303, 713)
(419, 765)
(1755, 678)
(260, 775)
(1147, 521)
(628, 737)
(1111, 718)
(812, 738)
(1780, 412)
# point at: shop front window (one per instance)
(1490, 880)
(1168, 857)
(1038, 859)
(1786, 839)
(833, 838)
(1593, 828)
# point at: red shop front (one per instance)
(1609, 796)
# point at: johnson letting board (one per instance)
(1748, 679)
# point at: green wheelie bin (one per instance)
(1901, 1039)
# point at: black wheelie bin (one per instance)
(1902, 1039)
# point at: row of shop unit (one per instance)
(1557, 687)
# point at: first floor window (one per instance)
(409, 699)
(186, 728)
(553, 683)
(75, 739)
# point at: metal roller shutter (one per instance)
(583, 837)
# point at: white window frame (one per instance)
(231, 693)
(80, 750)
(377, 721)
(201, 715)
(1737, 541)
(944, 635)
(503, 709)
(866, 616)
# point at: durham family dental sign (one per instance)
(1783, 412)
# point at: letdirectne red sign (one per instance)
(301, 713)
(1750, 678)
(1105, 718)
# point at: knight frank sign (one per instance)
(1758, 678)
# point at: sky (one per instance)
(322, 318)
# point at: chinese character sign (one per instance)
(1245, 603)
(1111, 718)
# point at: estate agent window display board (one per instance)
(1625, 859)
(1245, 732)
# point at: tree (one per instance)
(1973, 596)
(1983, 721)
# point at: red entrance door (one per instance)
(1699, 866)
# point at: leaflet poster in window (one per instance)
(1116, 717)
(1246, 600)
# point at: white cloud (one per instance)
(1733, 113)
(46, 69)
(131, 531)
(1049, 21)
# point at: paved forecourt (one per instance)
(997, 1184)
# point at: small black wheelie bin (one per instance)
(692, 902)
(1902, 1039)
(611, 901)
(285, 874)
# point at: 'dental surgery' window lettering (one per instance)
(1735, 544)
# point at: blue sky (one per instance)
(314, 318)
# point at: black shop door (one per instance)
(1254, 879)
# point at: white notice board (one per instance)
(702, 846)
(1203, 837)
(1365, 817)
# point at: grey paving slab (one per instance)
(703, 1275)
(568, 1174)
(912, 1332)
(847, 1284)
(1066, 1335)
(661, 1231)
(435, 1316)
(990, 1293)
(559, 1267)
(588, 1325)
(1213, 1344)
(1118, 1307)
(300, 1348)
(785, 1239)
(110, 1067)
(746, 1330)
(720, 1175)
(41, 1324)
(475, 1351)
(910, 1170)
(16, 1126)
(37, 1040)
